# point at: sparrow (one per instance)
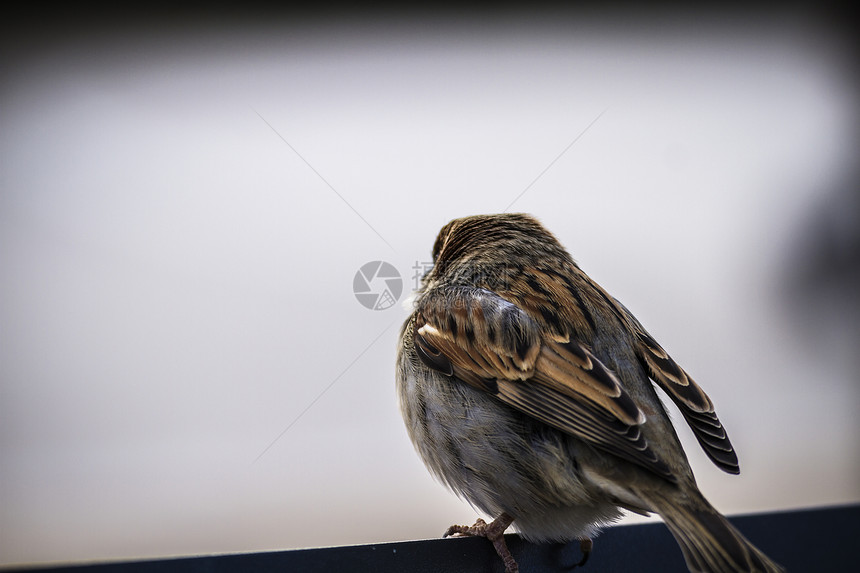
(530, 392)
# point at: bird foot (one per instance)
(494, 532)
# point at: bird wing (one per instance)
(691, 400)
(694, 404)
(478, 337)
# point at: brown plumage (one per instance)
(528, 390)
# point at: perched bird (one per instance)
(529, 391)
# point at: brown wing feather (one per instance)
(559, 383)
(571, 369)
(694, 404)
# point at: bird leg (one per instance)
(494, 532)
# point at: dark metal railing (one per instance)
(812, 540)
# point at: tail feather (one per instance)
(710, 543)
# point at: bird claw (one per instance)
(494, 532)
(585, 545)
(477, 530)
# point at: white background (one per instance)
(179, 231)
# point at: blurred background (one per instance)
(185, 203)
